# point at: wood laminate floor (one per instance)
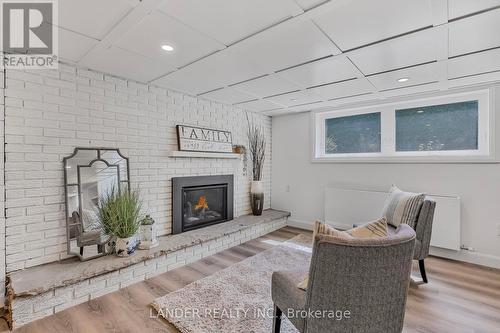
(459, 298)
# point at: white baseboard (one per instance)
(308, 225)
(305, 225)
(477, 258)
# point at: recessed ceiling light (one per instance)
(403, 79)
(167, 48)
(420, 111)
(294, 100)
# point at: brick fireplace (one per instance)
(138, 119)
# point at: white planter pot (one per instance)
(148, 236)
(125, 247)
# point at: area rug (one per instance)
(236, 299)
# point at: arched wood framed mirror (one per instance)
(90, 173)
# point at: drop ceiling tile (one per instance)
(93, 18)
(477, 63)
(333, 69)
(459, 8)
(307, 107)
(308, 4)
(73, 46)
(353, 101)
(337, 103)
(296, 98)
(411, 91)
(288, 44)
(158, 29)
(344, 89)
(490, 77)
(417, 75)
(124, 64)
(259, 105)
(228, 96)
(223, 68)
(475, 33)
(351, 24)
(230, 21)
(276, 113)
(414, 49)
(268, 85)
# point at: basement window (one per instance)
(452, 128)
(353, 134)
(438, 127)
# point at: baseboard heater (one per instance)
(343, 207)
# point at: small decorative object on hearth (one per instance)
(119, 213)
(148, 233)
(257, 148)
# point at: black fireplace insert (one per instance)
(201, 201)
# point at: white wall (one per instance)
(478, 185)
(49, 113)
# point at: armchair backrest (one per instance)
(423, 228)
(369, 278)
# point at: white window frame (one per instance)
(388, 153)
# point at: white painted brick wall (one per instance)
(48, 113)
(27, 309)
(2, 190)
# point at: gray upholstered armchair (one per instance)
(368, 277)
(423, 230)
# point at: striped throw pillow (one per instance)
(402, 207)
(321, 228)
(377, 228)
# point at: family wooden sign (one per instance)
(192, 138)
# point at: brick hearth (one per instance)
(44, 290)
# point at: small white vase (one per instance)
(125, 247)
(148, 236)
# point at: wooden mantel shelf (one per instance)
(200, 154)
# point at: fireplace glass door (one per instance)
(204, 205)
